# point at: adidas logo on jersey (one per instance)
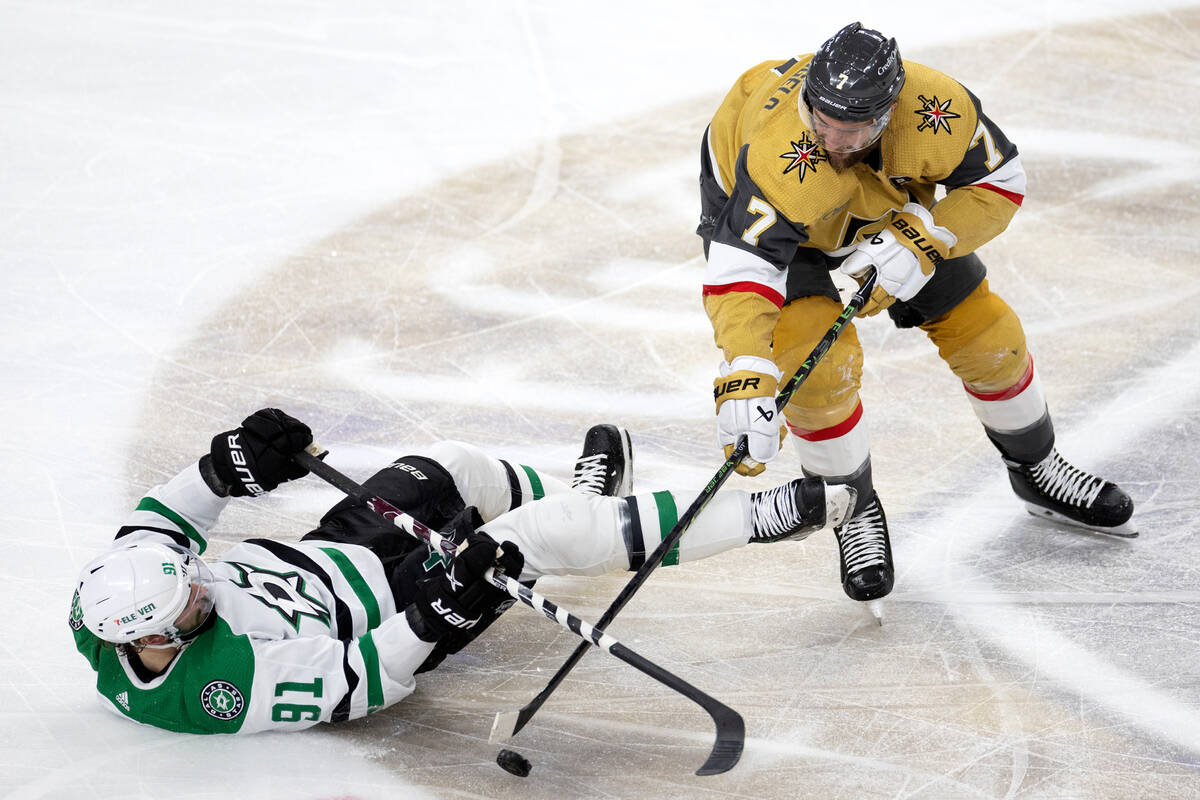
(122, 699)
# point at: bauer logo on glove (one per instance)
(254, 459)
(905, 255)
(237, 462)
(745, 397)
(918, 240)
(738, 387)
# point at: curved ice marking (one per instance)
(1158, 397)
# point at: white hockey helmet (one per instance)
(144, 589)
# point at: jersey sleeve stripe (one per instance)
(370, 656)
(1013, 196)
(357, 582)
(746, 286)
(341, 712)
(175, 536)
(668, 515)
(732, 269)
(1007, 181)
(155, 507)
(712, 160)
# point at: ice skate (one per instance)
(866, 553)
(606, 465)
(1054, 489)
(798, 508)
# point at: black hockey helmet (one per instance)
(855, 76)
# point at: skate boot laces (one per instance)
(864, 539)
(1063, 482)
(774, 512)
(591, 473)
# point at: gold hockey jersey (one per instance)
(768, 187)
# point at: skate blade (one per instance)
(876, 609)
(1123, 531)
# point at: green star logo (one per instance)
(76, 621)
(282, 591)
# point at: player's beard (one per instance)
(844, 161)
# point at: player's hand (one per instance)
(457, 598)
(257, 457)
(905, 254)
(745, 397)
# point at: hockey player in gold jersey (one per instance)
(830, 161)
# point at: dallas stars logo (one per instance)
(937, 115)
(283, 592)
(221, 699)
(805, 156)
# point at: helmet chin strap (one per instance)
(173, 642)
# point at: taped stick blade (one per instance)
(504, 726)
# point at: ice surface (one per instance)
(405, 222)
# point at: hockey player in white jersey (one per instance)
(283, 635)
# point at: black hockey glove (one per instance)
(256, 457)
(456, 600)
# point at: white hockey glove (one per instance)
(745, 396)
(905, 254)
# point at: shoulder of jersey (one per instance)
(933, 111)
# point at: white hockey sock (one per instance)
(582, 534)
(1014, 409)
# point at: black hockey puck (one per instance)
(514, 762)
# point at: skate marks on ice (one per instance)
(494, 309)
(1156, 400)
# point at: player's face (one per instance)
(194, 613)
(846, 137)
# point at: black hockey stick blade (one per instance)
(731, 728)
(731, 739)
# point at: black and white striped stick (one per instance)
(731, 729)
(508, 723)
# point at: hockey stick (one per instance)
(508, 723)
(731, 729)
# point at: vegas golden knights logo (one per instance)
(804, 157)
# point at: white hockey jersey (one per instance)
(300, 633)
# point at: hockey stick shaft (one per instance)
(514, 721)
(730, 727)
